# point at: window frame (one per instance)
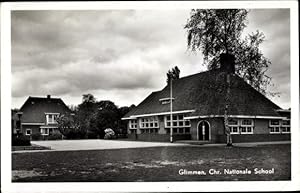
(231, 130)
(231, 126)
(44, 129)
(177, 120)
(133, 124)
(287, 127)
(147, 121)
(271, 125)
(53, 115)
(276, 128)
(27, 133)
(246, 126)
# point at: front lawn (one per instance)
(153, 164)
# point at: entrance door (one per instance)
(203, 131)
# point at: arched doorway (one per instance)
(203, 131)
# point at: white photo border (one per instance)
(6, 161)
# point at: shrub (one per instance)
(36, 136)
(92, 135)
(20, 140)
(54, 136)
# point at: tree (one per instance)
(69, 127)
(106, 116)
(173, 74)
(216, 32)
(85, 111)
(88, 98)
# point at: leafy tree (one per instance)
(88, 98)
(69, 127)
(216, 32)
(85, 111)
(105, 117)
(173, 74)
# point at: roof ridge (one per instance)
(43, 97)
(207, 71)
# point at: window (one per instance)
(150, 122)
(28, 132)
(233, 122)
(44, 131)
(285, 126)
(133, 124)
(178, 121)
(274, 126)
(285, 122)
(234, 130)
(241, 126)
(233, 126)
(247, 122)
(180, 125)
(275, 130)
(51, 118)
(285, 129)
(246, 126)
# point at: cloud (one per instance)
(118, 54)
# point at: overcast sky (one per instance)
(122, 55)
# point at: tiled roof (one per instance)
(205, 93)
(34, 109)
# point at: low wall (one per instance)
(254, 138)
(158, 137)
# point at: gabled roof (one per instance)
(34, 109)
(205, 94)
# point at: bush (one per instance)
(20, 140)
(92, 135)
(54, 136)
(36, 136)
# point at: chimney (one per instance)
(227, 63)
(48, 96)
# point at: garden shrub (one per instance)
(55, 136)
(20, 140)
(36, 136)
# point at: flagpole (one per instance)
(171, 109)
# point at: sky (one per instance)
(123, 55)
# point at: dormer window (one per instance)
(165, 100)
(51, 118)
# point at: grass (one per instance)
(152, 164)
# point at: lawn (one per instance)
(153, 164)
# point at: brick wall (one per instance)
(254, 138)
(158, 137)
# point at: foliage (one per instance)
(69, 127)
(36, 136)
(105, 117)
(216, 31)
(109, 134)
(85, 111)
(92, 117)
(173, 74)
(54, 136)
(20, 140)
(252, 65)
(88, 98)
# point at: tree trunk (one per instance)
(227, 129)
